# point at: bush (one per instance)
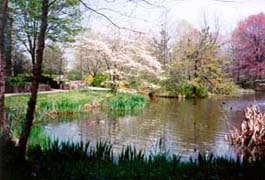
(187, 91)
(202, 92)
(98, 80)
(74, 75)
(16, 81)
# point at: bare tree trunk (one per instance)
(36, 77)
(4, 125)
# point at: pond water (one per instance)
(183, 127)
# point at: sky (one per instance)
(147, 18)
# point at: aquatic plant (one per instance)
(252, 131)
(38, 137)
(126, 102)
(72, 102)
(65, 160)
(68, 160)
(130, 154)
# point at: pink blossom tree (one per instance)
(248, 42)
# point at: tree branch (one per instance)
(51, 3)
(108, 19)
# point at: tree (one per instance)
(36, 78)
(4, 125)
(248, 45)
(162, 46)
(21, 63)
(199, 62)
(121, 58)
(9, 43)
(53, 60)
(92, 54)
(63, 22)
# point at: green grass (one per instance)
(75, 101)
(38, 137)
(126, 102)
(62, 102)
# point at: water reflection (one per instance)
(185, 127)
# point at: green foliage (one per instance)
(226, 88)
(74, 74)
(199, 63)
(67, 160)
(60, 105)
(202, 92)
(17, 81)
(72, 102)
(126, 102)
(53, 61)
(185, 91)
(130, 154)
(99, 79)
(16, 118)
(38, 137)
(64, 20)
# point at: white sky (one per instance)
(146, 18)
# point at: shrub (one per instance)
(16, 81)
(89, 79)
(202, 92)
(99, 79)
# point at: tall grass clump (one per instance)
(62, 105)
(130, 154)
(78, 101)
(38, 137)
(82, 161)
(67, 160)
(15, 119)
(126, 102)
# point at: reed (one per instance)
(126, 102)
(130, 154)
(67, 160)
(69, 103)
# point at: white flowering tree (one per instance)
(122, 59)
(91, 54)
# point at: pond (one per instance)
(182, 127)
